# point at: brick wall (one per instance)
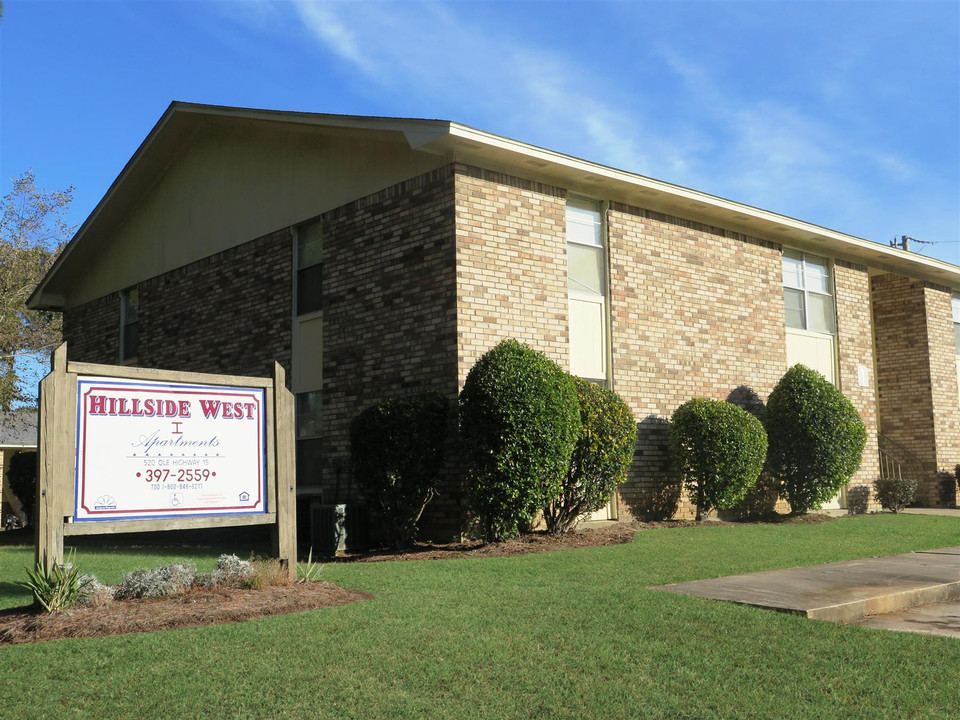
(511, 265)
(855, 349)
(92, 331)
(696, 311)
(389, 316)
(917, 377)
(227, 313)
(943, 376)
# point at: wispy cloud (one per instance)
(697, 125)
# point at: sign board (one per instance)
(163, 449)
(133, 450)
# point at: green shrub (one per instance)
(22, 476)
(894, 494)
(816, 438)
(600, 459)
(519, 423)
(59, 589)
(718, 449)
(398, 451)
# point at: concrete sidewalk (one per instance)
(843, 591)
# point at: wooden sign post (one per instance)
(127, 449)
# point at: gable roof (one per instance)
(459, 142)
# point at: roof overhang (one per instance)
(465, 144)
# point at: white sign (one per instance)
(154, 449)
(863, 376)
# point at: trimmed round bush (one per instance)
(519, 423)
(894, 494)
(718, 449)
(600, 459)
(816, 438)
(398, 450)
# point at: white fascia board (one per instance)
(890, 258)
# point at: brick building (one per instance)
(374, 257)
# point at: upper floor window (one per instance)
(956, 322)
(309, 267)
(808, 292)
(586, 289)
(129, 324)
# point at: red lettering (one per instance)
(97, 404)
(148, 407)
(184, 408)
(136, 408)
(249, 407)
(113, 406)
(227, 411)
(211, 408)
(124, 410)
(169, 408)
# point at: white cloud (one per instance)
(323, 20)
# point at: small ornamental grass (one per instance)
(816, 438)
(57, 590)
(718, 449)
(894, 494)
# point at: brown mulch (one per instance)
(200, 607)
(193, 608)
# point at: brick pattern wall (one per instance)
(854, 349)
(943, 376)
(227, 313)
(696, 311)
(511, 265)
(913, 373)
(389, 316)
(92, 331)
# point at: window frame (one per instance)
(600, 245)
(301, 270)
(806, 292)
(126, 324)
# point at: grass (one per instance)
(571, 634)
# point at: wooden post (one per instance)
(285, 531)
(55, 472)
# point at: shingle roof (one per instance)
(18, 428)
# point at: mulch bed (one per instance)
(199, 607)
(193, 608)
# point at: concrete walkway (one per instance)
(845, 591)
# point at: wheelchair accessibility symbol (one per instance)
(176, 499)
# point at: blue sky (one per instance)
(844, 114)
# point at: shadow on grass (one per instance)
(11, 590)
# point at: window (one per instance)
(586, 289)
(807, 293)
(308, 414)
(129, 325)
(956, 322)
(309, 268)
(309, 443)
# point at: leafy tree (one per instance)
(32, 233)
(816, 438)
(600, 459)
(398, 448)
(718, 449)
(519, 423)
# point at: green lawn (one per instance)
(571, 634)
